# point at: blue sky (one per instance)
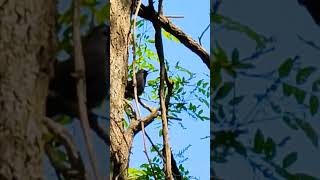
(196, 19)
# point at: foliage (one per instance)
(190, 94)
(290, 83)
(182, 78)
(146, 172)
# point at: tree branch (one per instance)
(71, 107)
(81, 88)
(164, 100)
(151, 15)
(64, 138)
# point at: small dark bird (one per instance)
(313, 7)
(62, 88)
(141, 77)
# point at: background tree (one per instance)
(265, 96)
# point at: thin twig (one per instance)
(203, 34)
(174, 17)
(145, 105)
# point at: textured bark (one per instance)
(27, 41)
(121, 142)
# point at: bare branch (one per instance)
(101, 131)
(151, 15)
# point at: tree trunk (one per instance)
(27, 43)
(120, 143)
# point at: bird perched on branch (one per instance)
(313, 7)
(141, 78)
(62, 88)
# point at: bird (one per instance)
(62, 88)
(313, 7)
(141, 78)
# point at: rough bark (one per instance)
(121, 142)
(27, 43)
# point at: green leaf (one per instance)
(289, 159)
(199, 82)
(258, 142)
(135, 173)
(230, 70)
(303, 74)
(160, 133)
(285, 68)
(308, 131)
(236, 100)
(299, 95)
(125, 123)
(287, 89)
(170, 36)
(152, 41)
(224, 90)
(270, 148)
(313, 105)
(220, 55)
